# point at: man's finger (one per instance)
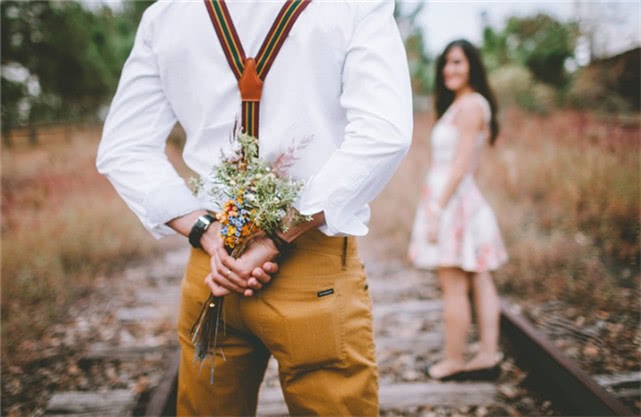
(254, 284)
(216, 289)
(232, 264)
(260, 275)
(231, 276)
(234, 279)
(270, 267)
(225, 283)
(225, 258)
(215, 261)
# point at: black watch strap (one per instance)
(200, 226)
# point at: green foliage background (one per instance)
(75, 54)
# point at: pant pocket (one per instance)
(313, 330)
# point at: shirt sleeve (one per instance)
(377, 99)
(131, 153)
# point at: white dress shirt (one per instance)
(340, 78)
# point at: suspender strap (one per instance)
(277, 34)
(224, 27)
(251, 72)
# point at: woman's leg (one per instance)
(488, 310)
(456, 317)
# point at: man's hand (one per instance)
(256, 265)
(228, 274)
(244, 275)
(217, 280)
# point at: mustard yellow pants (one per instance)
(314, 317)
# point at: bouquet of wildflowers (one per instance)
(256, 199)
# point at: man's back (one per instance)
(300, 93)
(340, 78)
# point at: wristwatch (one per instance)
(200, 226)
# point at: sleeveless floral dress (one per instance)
(468, 237)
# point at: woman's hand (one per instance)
(433, 222)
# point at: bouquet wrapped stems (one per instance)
(205, 330)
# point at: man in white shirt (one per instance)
(341, 78)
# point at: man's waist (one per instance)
(315, 240)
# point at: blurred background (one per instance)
(563, 176)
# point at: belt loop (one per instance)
(344, 255)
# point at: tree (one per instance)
(543, 44)
(494, 49)
(53, 41)
(12, 92)
(72, 53)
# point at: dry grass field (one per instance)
(63, 227)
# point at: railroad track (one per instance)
(554, 375)
(557, 378)
(408, 336)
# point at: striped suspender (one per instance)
(251, 72)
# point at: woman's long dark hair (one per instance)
(478, 81)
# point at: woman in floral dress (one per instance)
(455, 231)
